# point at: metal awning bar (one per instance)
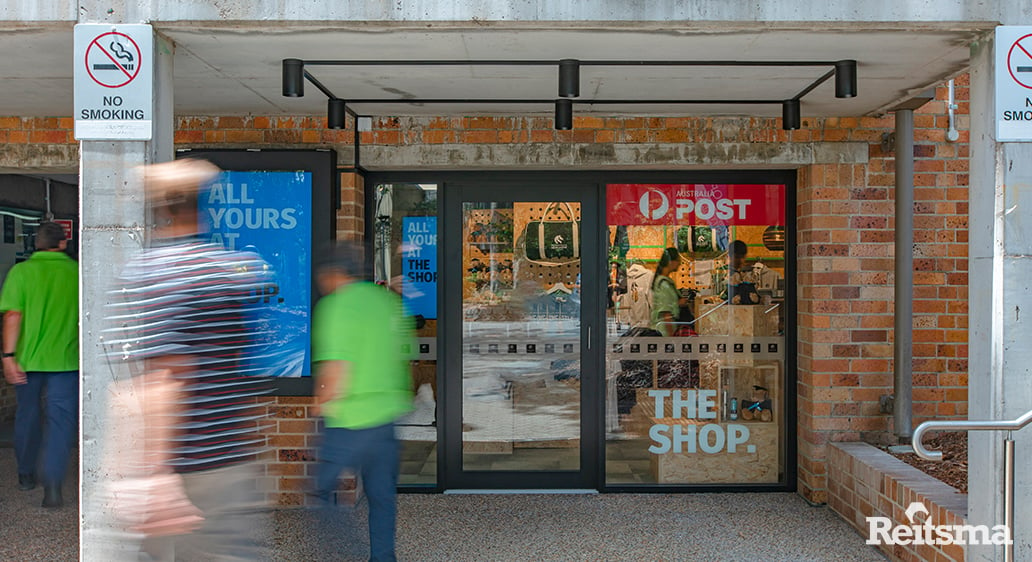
(552, 101)
(827, 76)
(295, 74)
(319, 85)
(503, 62)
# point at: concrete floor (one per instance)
(458, 527)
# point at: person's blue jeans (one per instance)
(50, 426)
(374, 454)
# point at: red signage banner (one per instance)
(67, 225)
(695, 204)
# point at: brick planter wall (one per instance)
(864, 481)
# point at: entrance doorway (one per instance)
(549, 357)
(521, 379)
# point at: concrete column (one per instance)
(1000, 325)
(113, 219)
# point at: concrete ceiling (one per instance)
(236, 71)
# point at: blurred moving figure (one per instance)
(40, 301)
(183, 322)
(363, 385)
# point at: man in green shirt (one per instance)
(362, 386)
(40, 302)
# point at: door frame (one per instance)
(597, 180)
(450, 361)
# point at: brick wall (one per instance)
(866, 482)
(845, 234)
(846, 249)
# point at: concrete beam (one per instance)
(36, 11)
(481, 11)
(39, 158)
(610, 156)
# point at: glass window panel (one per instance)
(405, 258)
(695, 350)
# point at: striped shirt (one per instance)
(193, 307)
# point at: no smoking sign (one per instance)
(113, 59)
(113, 82)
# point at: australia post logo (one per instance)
(648, 210)
(689, 204)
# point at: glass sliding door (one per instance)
(519, 370)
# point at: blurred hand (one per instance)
(154, 505)
(13, 372)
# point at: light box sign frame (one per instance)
(259, 218)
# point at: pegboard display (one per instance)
(495, 261)
(648, 242)
(533, 275)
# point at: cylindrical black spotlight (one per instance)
(790, 115)
(569, 78)
(845, 79)
(293, 78)
(563, 115)
(335, 113)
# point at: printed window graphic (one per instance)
(695, 334)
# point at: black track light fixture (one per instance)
(293, 78)
(845, 79)
(563, 115)
(569, 78)
(790, 115)
(336, 115)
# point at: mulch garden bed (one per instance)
(953, 467)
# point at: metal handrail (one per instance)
(973, 425)
(1008, 458)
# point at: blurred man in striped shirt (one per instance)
(185, 320)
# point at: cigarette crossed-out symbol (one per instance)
(1019, 61)
(121, 52)
(113, 51)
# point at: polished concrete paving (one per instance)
(747, 527)
(458, 527)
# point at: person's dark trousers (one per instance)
(374, 454)
(51, 426)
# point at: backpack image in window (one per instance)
(638, 298)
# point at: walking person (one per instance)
(185, 324)
(40, 302)
(363, 385)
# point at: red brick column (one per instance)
(845, 317)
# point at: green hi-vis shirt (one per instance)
(45, 290)
(364, 324)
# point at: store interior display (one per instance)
(720, 417)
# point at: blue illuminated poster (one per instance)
(419, 265)
(270, 214)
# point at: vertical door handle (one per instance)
(589, 336)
